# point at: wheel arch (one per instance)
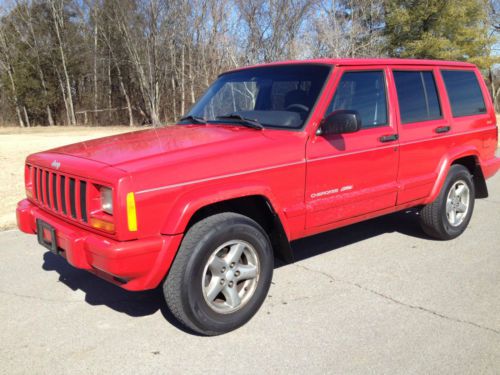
(471, 162)
(255, 202)
(259, 209)
(469, 158)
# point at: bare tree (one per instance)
(117, 64)
(493, 73)
(272, 27)
(494, 15)
(6, 63)
(26, 34)
(144, 41)
(57, 12)
(146, 61)
(95, 16)
(347, 28)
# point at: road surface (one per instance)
(376, 297)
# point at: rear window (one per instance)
(464, 92)
(417, 96)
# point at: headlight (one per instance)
(107, 200)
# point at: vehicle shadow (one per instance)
(405, 222)
(137, 304)
(99, 292)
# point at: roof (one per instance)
(365, 61)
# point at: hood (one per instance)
(134, 146)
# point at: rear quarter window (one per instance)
(464, 92)
(417, 96)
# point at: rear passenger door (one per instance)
(423, 127)
(349, 175)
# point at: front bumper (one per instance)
(133, 265)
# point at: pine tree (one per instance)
(439, 29)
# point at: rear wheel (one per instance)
(221, 274)
(448, 216)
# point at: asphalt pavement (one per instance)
(375, 297)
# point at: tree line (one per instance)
(101, 62)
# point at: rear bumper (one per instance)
(133, 265)
(490, 167)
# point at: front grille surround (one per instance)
(61, 193)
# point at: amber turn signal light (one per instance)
(102, 224)
(131, 213)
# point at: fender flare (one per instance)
(188, 203)
(444, 167)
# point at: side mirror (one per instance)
(341, 121)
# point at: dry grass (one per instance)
(17, 143)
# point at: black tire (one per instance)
(433, 217)
(183, 288)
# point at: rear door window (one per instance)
(417, 96)
(464, 92)
(363, 92)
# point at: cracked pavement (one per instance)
(375, 297)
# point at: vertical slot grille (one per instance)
(62, 187)
(35, 183)
(54, 192)
(83, 199)
(60, 193)
(72, 201)
(40, 186)
(47, 187)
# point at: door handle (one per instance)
(443, 129)
(389, 138)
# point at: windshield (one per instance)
(275, 96)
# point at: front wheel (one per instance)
(221, 274)
(448, 216)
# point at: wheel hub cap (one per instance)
(457, 203)
(230, 276)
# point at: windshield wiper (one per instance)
(194, 119)
(254, 124)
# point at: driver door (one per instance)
(349, 175)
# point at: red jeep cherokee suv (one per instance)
(269, 154)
